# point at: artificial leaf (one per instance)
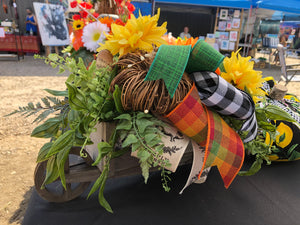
(124, 117)
(276, 113)
(135, 146)
(103, 149)
(150, 137)
(124, 125)
(256, 166)
(101, 198)
(145, 170)
(77, 98)
(143, 155)
(117, 99)
(295, 155)
(57, 93)
(142, 124)
(82, 53)
(65, 141)
(62, 157)
(48, 129)
(51, 172)
(141, 115)
(267, 126)
(53, 57)
(97, 184)
(42, 155)
(131, 139)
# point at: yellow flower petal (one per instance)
(138, 33)
(240, 73)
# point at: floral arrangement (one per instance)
(124, 89)
(90, 28)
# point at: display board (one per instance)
(228, 27)
(52, 24)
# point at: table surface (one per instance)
(271, 197)
(29, 43)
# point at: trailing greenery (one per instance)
(258, 147)
(87, 101)
(44, 108)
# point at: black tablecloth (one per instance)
(270, 197)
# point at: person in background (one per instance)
(31, 24)
(296, 41)
(283, 41)
(185, 33)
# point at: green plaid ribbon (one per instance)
(169, 64)
(204, 58)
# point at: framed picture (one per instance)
(217, 34)
(64, 3)
(224, 44)
(210, 35)
(223, 14)
(231, 46)
(233, 35)
(52, 24)
(237, 13)
(224, 35)
(228, 27)
(235, 23)
(222, 25)
(2, 32)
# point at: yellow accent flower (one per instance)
(240, 73)
(285, 133)
(78, 24)
(138, 34)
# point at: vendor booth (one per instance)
(219, 22)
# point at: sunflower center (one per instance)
(96, 36)
(78, 25)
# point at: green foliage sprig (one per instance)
(258, 147)
(87, 101)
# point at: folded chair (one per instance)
(288, 71)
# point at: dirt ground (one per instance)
(18, 151)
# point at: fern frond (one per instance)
(49, 105)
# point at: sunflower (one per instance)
(78, 24)
(93, 35)
(240, 73)
(138, 33)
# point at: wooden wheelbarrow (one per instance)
(79, 172)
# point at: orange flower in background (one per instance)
(173, 41)
(107, 20)
(170, 39)
(119, 22)
(77, 41)
(191, 41)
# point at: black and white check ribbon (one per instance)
(218, 94)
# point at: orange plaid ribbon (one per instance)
(223, 146)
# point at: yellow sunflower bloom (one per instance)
(138, 34)
(78, 24)
(240, 73)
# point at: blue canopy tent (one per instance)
(245, 4)
(291, 6)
